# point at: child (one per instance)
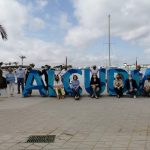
(10, 78)
(75, 86)
(58, 86)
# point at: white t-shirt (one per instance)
(146, 83)
(94, 71)
(62, 72)
(58, 83)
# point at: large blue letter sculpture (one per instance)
(34, 76)
(66, 79)
(51, 77)
(87, 79)
(110, 79)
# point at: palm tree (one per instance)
(22, 58)
(15, 63)
(3, 33)
(1, 63)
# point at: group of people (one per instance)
(95, 84)
(11, 77)
(131, 86)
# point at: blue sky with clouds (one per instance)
(48, 30)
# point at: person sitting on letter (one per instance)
(118, 85)
(147, 86)
(58, 86)
(131, 86)
(75, 86)
(95, 86)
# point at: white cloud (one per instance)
(64, 22)
(15, 18)
(129, 20)
(42, 3)
(37, 23)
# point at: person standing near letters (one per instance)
(94, 70)
(10, 78)
(20, 73)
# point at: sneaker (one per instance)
(96, 97)
(58, 97)
(11, 95)
(92, 96)
(62, 96)
(76, 97)
(134, 96)
(118, 96)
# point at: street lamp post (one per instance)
(109, 44)
(22, 58)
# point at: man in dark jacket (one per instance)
(3, 83)
(131, 86)
(44, 72)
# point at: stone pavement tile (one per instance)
(20, 146)
(41, 145)
(137, 144)
(59, 141)
(102, 148)
(87, 144)
(119, 148)
(6, 145)
(70, 145)
(83, 146)
(107, 138)
(77, 138)
(64, 137)
(58, 148)
(120, 144)
(106, 144)
(33, 147)
(17, 140)
(57, 131)
(136, 148)
(148, 145)
(6, 137)
(139, 138)
(54, 145)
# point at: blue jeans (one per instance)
(76, 92)
(20, 82)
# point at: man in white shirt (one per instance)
(94, 70)
(20, 73)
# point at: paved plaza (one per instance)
(106, 123)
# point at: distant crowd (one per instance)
(8, 81)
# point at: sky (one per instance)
(46, 31)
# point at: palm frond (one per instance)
(3, 33)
